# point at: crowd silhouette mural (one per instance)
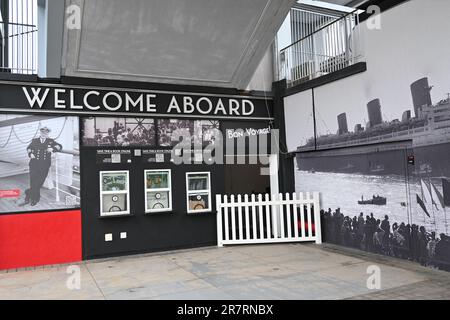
(407, 241)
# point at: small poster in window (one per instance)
(198, 202)
(157, 200)
(157, 180)
(114, 203)
(114, 182)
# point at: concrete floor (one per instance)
(289, 271)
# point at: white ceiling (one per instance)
(203, 42)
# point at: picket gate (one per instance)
(268, 219)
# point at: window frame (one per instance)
(127, 192)
(206, 191)
(168, 189)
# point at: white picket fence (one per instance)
(268, 219)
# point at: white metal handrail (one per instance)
(269, 219)
(327, 49)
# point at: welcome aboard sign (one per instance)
(94, 101)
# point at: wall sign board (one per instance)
(52, 98)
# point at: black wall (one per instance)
(145, 232)
(154, 231)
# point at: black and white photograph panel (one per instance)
(173, 131)
(206, 132)
(379, 194)
(39, 163)
(376, 208)
(118, 132)
(360, 119)
(381, 140)
(198, 132)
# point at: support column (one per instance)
(286, 180)
(50, 37)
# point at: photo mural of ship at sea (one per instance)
(385, 187)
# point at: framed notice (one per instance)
(158, 190)
(114, 193)
(198, 191)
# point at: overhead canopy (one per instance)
(196, 42)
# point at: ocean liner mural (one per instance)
(385, 185)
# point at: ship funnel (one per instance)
(421, 96)
(374, 111)
(342, 122)
(406, 115)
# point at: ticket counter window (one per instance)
(114, 193)
(198, 186)
(158, 191)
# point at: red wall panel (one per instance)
(28, 240)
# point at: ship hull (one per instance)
(429, 160)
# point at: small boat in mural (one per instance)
(379, 168)
(376, 200)
(348, 168)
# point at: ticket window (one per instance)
(198, 192)
(114, 193)
(158, 191)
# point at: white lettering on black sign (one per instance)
(137, 102)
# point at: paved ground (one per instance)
(291, 271)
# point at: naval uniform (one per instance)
(39, 166)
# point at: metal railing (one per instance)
(328, 49)
(18, 35)
(305, 21)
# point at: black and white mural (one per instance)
(39, 163)
(379, 144)
(146, 132)
(199, 132)
(118, 132)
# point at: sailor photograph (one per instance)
(40, 152)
